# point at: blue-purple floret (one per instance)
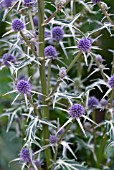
(57, 33)
(25, 156)
(35, 21)
(61, 131)
(8, 58)
(23, 86)
(62, 72)
(53, 139)
(99, 58)
(103, 102)
(50, 52)
(29, 3)
(76, 111)
(95, 1)
(38, 163)
(17, 25)
(84, 44)
(92, 102)
(7, 3)
(111, 81)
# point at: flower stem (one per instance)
(45, 109)
(31, 20)
(49, 75)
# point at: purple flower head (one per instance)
(17, 25)
(50, 52)
(7, 3)
(46, 34)
(53, 139)
(103, 102)
(57, 33)
(95, 1)
(61, 131)
(25, 156)
(92, 102)
(62, 72)
(111, 81)
(23, 86)
(35, 21)
(84, 44)
(76, 111)
(8, 58)
(99, 58)
(29, 3)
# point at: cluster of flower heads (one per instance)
(76, 111)
(50, 52)
(17, 25)
(84, 44)
(7, 59)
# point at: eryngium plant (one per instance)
(47, 52)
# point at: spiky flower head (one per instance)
(61, 131)
(35, 21)
(103, 102)
(76, 111)
(53, 139)
(7, 3)
(25, 156)
(62, 72)
(50, 52)
(17, 25)
(8, 58)
(38, 163)
(92, 102)
(85, 44)
(99, 58)
(57, 33)
(29, 3)
(111, 81)
(23, 86)
(95, 1)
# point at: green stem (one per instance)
(49, 75)
(45, 109)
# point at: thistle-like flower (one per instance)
(84, 44)
(61, 131)
(29, 3)
(92, 102)
(99, 58)
(62, 72)
(103, 102)
(50, 52)
(95, 1)
(23, 86)
(111, 81)
(57, 33)
(8, 58)
(53, 139)
(35, 21)
(76, 111)
(25, 156)
(17, 25)
(7, 3)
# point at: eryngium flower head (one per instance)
(57, 33)
(35, 21)
(95, 1)
(29, 3)
(38, 163)
(92, 102)
(84, 44)
(76, 111)
(99, 58)
(103, 102)
(61, 131)
(53, 139)
(7, 3)
(62, 72)
(50, 52)
(25, 156)
(17, 25)
(23, 86)
(111, 81)
(8, 58)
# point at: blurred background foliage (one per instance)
(10, 144)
